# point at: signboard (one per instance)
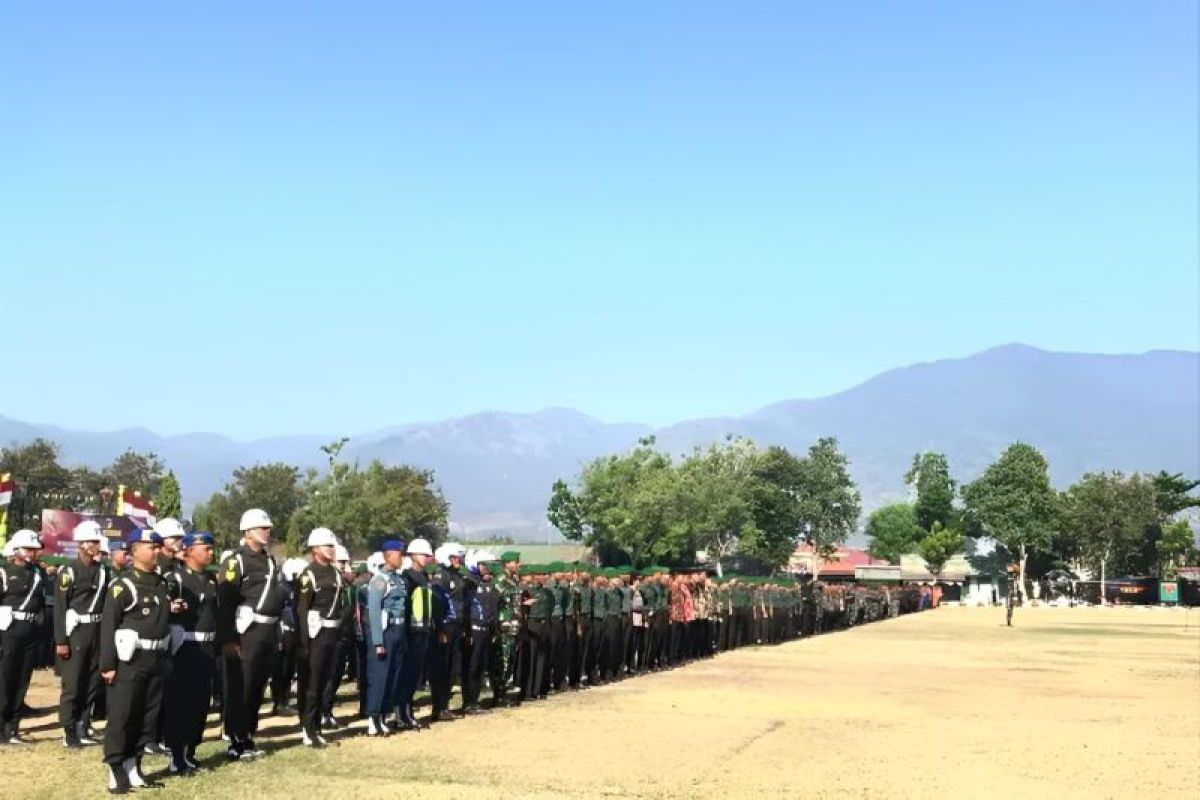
(1168, 592)
(58, 525)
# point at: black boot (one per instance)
(71, 738)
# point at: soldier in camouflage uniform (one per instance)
(503, 657)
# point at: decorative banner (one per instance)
(58, 527)
(6, 488)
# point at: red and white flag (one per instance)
(130, 503)
(7, 485)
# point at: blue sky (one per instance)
(297, 217)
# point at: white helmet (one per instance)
(169, 528)
(8, 550)
(87, 531)
(419, 547)
(254, 518)
(104, 548)
(475, 557)
(455, 549)
(292, 568)
(375, 563)
(340, 553)
(26, 538)
(321, 537)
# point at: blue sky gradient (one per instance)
(296, 217)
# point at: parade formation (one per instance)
(152, 634)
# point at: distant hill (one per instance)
(1084, 411)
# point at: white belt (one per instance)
(24, 616)
(87, 619)
(331, 623)
(154, 644)
(264, 619)
(197, 636)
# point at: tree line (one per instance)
(729, 499)
(365, 505)
(1106, 523)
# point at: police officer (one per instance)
(418, 626)
(194, 652)
(345, 656)
(383, 636)
(320, 605)
(481, 600)
(248, 607)
(289, 629)
(79, 602)
(22, 619)
(134, 640)
(448, 585)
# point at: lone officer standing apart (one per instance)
(248, 606)
(133, 651)
(78, 604)
(193, 635)
(320, 606)
(383, 629)
(22, 604)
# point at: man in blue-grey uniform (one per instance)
(384, 639)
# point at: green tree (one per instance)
(1173, 495)
(364, 506)
(628, 504)
(1176, 546)
(169, 503)
(939, 547)
(776, 507)
(141, 472)
(829, 502)
(1106, 513)
(716, 495)
(930, 477)
(1014, 503)
(893, 531)
(41, 481)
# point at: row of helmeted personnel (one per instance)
(155, 627)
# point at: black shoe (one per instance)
(314, 740)
(118, 781)
(443, 716)
(178, 765)
(71, 739)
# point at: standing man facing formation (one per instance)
(248, 607)
(78, 606)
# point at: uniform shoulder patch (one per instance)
(116, 590)
(231, 569)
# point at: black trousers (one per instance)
(344, 658)
(131, 708)
(19, 647)
(246, 676)
(416, 651)
(579, 654)
(477, 648)
(598, 652)
(189, 687)
(533, 662)
(554, 643)
(441, 665)
(80, 675)
(285, 670)
(570, 643)
(315, 662)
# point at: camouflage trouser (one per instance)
(502, 662)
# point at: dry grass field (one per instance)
(1076, 703)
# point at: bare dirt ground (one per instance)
(1079, 703)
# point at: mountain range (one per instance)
(1083, 411)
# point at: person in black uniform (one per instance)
(320, 607)
(134, 640)
(418, 626)
(481, 599)
(345, 656)
(248, 605)
(289, 631)
(448, 585)
(22, 620)
(78, 606)
(194, 661)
